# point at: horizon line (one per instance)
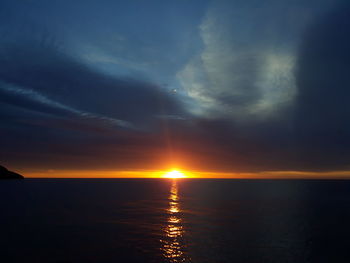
(126, 174)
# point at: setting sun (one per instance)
(174, 174)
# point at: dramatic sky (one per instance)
(227, 86)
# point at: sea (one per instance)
(171, 221)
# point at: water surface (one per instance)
(187, 220)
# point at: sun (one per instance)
(174, 174)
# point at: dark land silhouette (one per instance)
(6, 174)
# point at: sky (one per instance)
(239, 86)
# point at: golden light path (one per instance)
(172, 246)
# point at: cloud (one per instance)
(240, 74)
(57, 110)
(322, 109)
(41, 73)
(270, 101)
(33, 100)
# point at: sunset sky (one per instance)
(237, 87)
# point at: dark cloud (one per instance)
(323, 79)
(37, 74)
(56, 110)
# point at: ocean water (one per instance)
(164, 220)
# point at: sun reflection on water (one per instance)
(172, 245)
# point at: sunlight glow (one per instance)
(174, 174)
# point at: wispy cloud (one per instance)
(36, 97)
(237, 76)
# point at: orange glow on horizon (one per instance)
(187, 174)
